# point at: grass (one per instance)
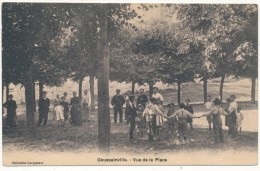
(84, 138)
(53, 141)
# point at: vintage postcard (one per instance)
(129, 84)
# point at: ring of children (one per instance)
(121, 84)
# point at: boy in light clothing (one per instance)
(209, 105)
(240, 118)
(182, 115)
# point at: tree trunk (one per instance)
(7, 92)
(80, 87)
(253, 90)
(205, 88)
(2, 101)
(133, 87)
(28, 85)
(40, 89)
(151, 88)
(103, 82)
(179, 93)
(221, 87)
(34, 100)
(92, 95)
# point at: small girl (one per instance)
(140, 120)
(240, 118)
(56, 102)
(59, 110)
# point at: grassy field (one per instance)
(83, 139)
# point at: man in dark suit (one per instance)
(118, 102)
(44, 105)
(132, 114)
(142, 98)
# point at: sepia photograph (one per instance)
(129, 84)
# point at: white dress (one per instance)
(240, 118)
(59, 110)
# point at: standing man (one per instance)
(209, 105)
(157, 95)
(85, 104)
(142, 98)
(44, 105)
(132, 115)
(118, 102)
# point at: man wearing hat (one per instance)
(44, 105)
(216, 112)
(11, 107)
(142, 98)
(118, 102)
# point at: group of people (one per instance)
(143, 115)
(76, 111)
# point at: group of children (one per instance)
(150, 118)
(61, 110)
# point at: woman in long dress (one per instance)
(75, 112)
(11, 107)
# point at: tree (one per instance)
(25, 28)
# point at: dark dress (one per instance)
(75, 112)
(11, 107)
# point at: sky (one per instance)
(153, 14)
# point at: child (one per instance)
(65, 105)
(209, 105)
(150, 113)
(216, 112)
(189, 108)
(228, 101)
(59, 110)
(182, 115)
(131, 118)
(170, 111)
(140, 120)
(240, 118)
(56, 102)
(159, 118)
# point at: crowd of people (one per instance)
(148, 115)
(142, 114)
